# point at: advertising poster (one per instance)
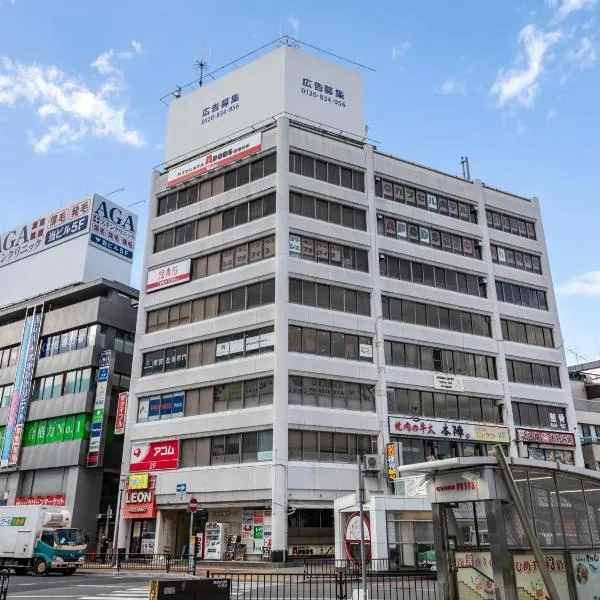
(474, 575)
(113, 228)
(19, 403)
(586, 566)
(258, 532)
(530, 585)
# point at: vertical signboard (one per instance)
(22, 387)
(98, 415)
(121, 416)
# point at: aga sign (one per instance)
(154, 456)
(113, 228)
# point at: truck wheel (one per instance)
(40, 569)
(68, 571)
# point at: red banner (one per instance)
(121, 413)
(154, 456)
(59, 500)
(538, 436)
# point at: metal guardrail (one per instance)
(379, 565)
(342, 585)
(4, 578)
(141, 562)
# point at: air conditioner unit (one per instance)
(371, 463)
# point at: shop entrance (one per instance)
(143, 532)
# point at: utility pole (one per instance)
(361, 502)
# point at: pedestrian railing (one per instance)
(379, 565)
(343, 585)
(141, 562)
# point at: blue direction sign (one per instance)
(181, 488)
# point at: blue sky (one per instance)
(514, 85)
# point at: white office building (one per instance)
(310, 298)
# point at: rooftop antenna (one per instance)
(201, 65)
(464, 161)
(286, 40)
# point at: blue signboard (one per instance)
(154, 409)
(177, 410)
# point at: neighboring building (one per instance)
(57, 444)
(585, 387)
(310, 298)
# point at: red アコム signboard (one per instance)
(154, 456)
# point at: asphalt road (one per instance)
(80, 586)
(123, 586)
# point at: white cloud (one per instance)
(294, 23)
(521, 85)
(137, 47)
(71, 109)
(399, 51)
(584, 56)
(452, 86)
(570, 6)
(587, 284)
(551, 114)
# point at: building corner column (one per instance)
(279, 505)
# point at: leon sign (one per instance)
(141, 504)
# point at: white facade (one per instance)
(295, 473)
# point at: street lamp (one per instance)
(361, 502)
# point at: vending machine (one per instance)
(215, 540)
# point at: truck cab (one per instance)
(59, 547)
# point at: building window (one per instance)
(441, 317)
(425, 236)
(206, 307)
(327, 393)
(431, 275)
(327, 210)
(211, 186)
(327, 171)
(521, 295)
(5, 394)
(124, 341)
(402, 401)
(426, 200)
(208, 351)
(533, 373)
(324, 446)
(414, 356)
(215, 223)
(332, 297)
(338, 255)
(161, 407)
(510, 224)
(230, 258)
(251, 446)
(71, 382)
(329, 343)
(74, 339)
(517, 259)
(529, 414)
(418, 450)
(526, 333)
(8, 356)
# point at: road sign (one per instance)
(181, 488)
(193, 505)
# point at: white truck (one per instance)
(41, 539)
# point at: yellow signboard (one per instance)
(139, 481)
